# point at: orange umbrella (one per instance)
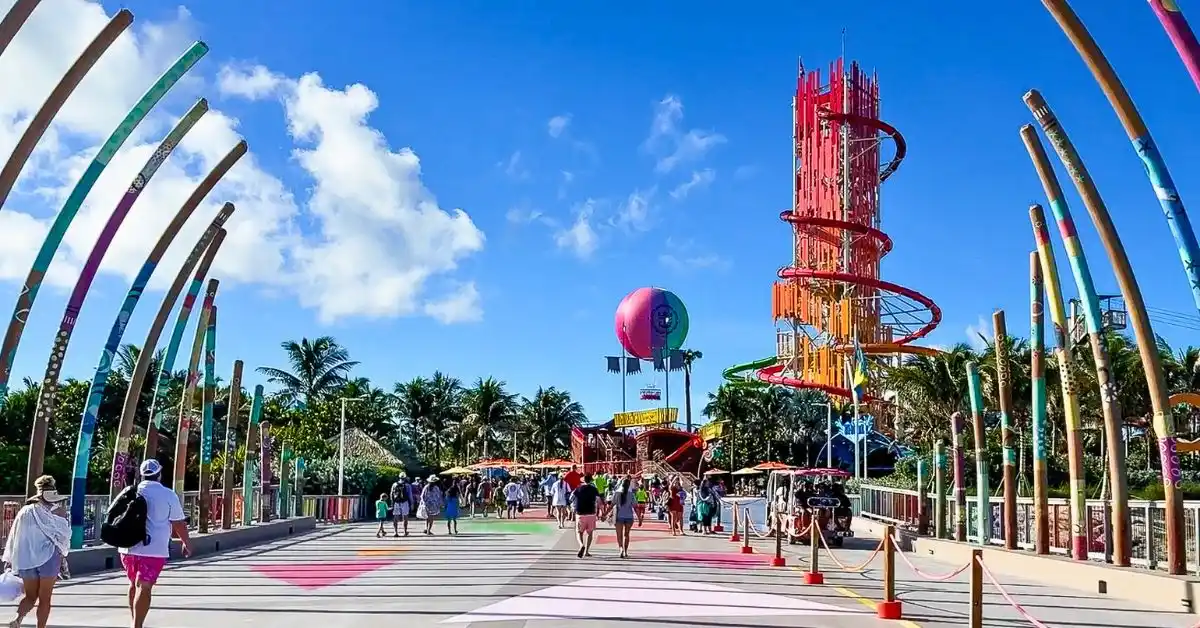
(553, 463)
(772, 466)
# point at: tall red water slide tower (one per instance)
(831, 298)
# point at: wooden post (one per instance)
(231, 426)
(889, 607)
(746, 549)
(779, 560)
(1007, 436)
(814, 575)
(975, 618)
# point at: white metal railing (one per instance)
(1148, 519)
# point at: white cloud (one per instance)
(700, 180)
(684, 256)
(514, 167)
(974, 332)
(670, 143)
(522, 215)
(558, 125)
(365, 242)
(634, 214)
(580, 238)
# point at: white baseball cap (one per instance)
(149, 468)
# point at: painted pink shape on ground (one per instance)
(312, 576)
(627, 595)
(714, 559)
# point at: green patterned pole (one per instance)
(206, 425)
(983, 490)
(922, 498)
(248, 468)
(939, 489)
(957, 428)
(299, 490)
(1037, 369)
(285, 486)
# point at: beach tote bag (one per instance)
(11, 587)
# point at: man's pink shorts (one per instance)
(143, 568)
(586, 523)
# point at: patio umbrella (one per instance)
(553, 463)
(746, 471)
(458, 471)
(712, 472)
(493, 463)
(772, 466)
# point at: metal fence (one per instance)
(900, 507)
(324, 508)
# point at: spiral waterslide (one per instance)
(830, 301)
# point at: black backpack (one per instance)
(399, 493)
(125, 523)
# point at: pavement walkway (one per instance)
(524, 573)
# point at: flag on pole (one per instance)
(859, 375)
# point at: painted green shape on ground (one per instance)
(500, 526)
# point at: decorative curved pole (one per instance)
(206, 423)
(189, 391)
(159, 415)
(1066, 377)
(1181, 35)
(14, 20)
(1008, 439)
(232, 416)
(57, 98)
(1143, 334)
(264, 468)
(87, 425)
(1037, 373)
(1139, 135)
(54, 237)
(47, 395)
(960, 477)
(983, 489)
(146, 355)
(1110, 407)
(250, 455)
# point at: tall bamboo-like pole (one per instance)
(1139, 320)
(58, 96)
(1181, 35)
(58, 229)
(14, 20)
(250, 456)
(147, 353)
(1008, 439)
(48, 392)
(983, 489)
(939, 489)
(1037, 373)
(264, 469)
(1139, 135)
(232, 417)
(1110, 407)
(91, 410)
(158, 415)
(1066, 376)
(957, 425)
(206, 423)
(189, 390)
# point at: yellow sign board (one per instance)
(645, 418)
(712, 430)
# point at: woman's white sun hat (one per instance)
(47, 490)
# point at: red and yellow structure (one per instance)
(831, 300)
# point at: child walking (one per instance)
(382, 509)
(452, 509)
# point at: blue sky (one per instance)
(468, 85)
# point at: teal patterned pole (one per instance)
(248, 470)
(87, 423)
(983, 512)
(206, 424)
(1037, 368)
(54, 237)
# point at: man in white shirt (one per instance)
(512, 497)
(143, 563)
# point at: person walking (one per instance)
(145, 561)
(587, 503)
(560, 497)
(546, 486)
(402, 499)
(37, 545)
(624, 504)
(512, 497)
(383, 512)
(452, 495)
(642, 497)
(430, 503)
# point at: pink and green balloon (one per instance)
(651, 322)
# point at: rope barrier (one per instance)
(855, 569)
(938, 578)
(1008, 598)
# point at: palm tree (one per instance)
(318, 368)
(415, 405)
(549, 416)
(488, 407)
(689, 357)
